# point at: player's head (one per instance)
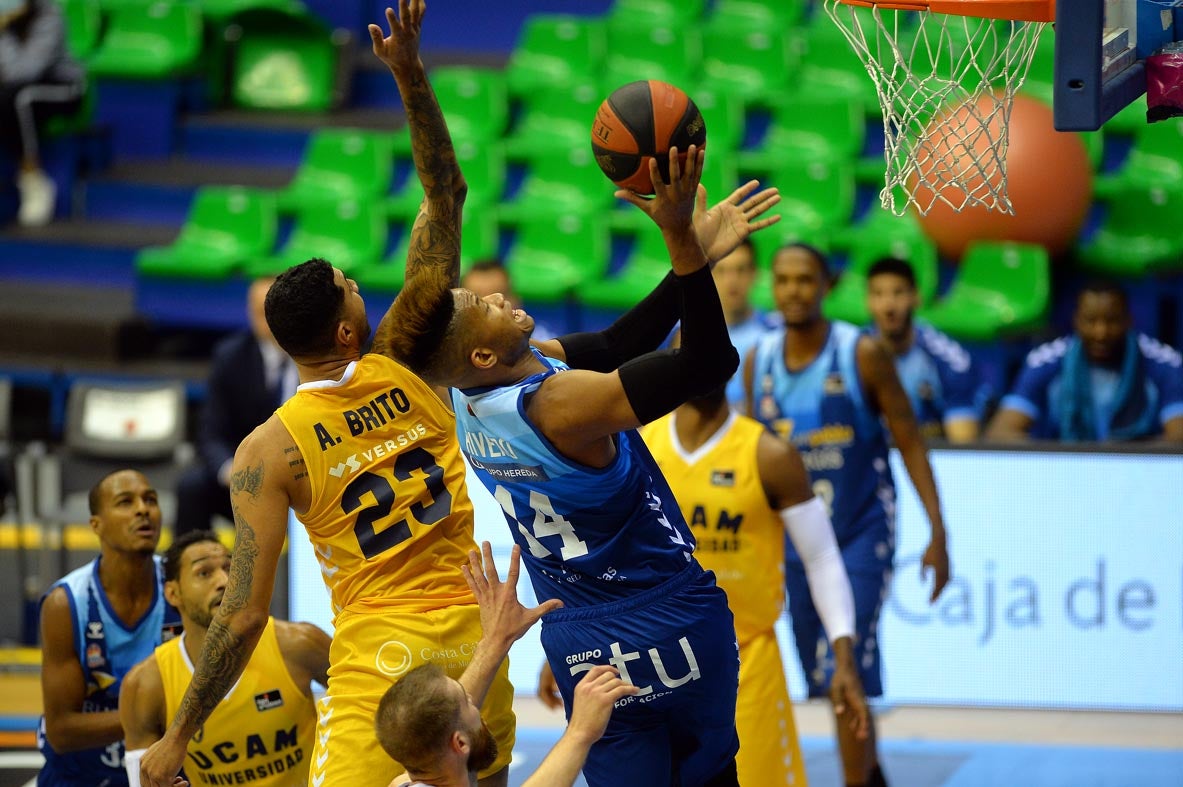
(800, 279)
(450, 336)
(196, 569)
(891, 296)
(427, 719)
(1102, 320)
(256, 299)
(487, 277)
(315, 313)
(734, 276)
(711, 401)
(125, 512)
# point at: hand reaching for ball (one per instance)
(673, 204)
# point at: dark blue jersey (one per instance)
(588, 535)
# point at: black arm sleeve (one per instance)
(659, 381)
(639, 330)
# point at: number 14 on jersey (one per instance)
(547, 522)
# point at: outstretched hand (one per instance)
(732, 220)
(502, 616)
(673, 203)
(400, 49)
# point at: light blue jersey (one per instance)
(937, 374)
(822, 411)
(107, 650)
(744, 336)
(588, 535)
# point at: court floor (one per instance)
(922, 747)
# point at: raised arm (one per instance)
(260, 494)
(579, 410)
(63, 685)
(882, 386)
(503, 618)
(643, 328)
(435, 235)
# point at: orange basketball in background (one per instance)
(1048, 177)
(643, 120)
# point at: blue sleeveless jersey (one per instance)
(588, 535)
(107, 650)
(743, 336)
(821, 410)
(937, 374)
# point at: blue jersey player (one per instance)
(825, 386)
(1104, 382)
(550, 433)
(936, 372)
(97, 623)
(735, 275)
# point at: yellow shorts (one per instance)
(769, 752)
(372, 650)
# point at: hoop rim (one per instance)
(1015, 10)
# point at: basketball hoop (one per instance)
(946, 72)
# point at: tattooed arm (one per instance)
(882, 386)
(263, 484)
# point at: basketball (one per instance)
(1049, 180)
(643, 120)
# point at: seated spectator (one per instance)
(38, 80)
(486, 277)
(735, 275)
(1103, 382)
(936, 372)
(250, 376)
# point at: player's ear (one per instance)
(345, 334)
(458, 743)
(483, 358)
(172, 593)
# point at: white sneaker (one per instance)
(37, 197)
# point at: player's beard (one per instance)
(484, 749)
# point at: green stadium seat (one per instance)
(1001, 289)
(285, 59)
(340, 164)
(219, 12)
(479, 240)
(348, 233)
(870, 242)
(550, 259)
(771, 16)
(225, 228)
(647, 264)
(483, 165)
(655, 13)
(817, 194)
(555, 50)
(667, 53)
(556, 185)
(84, 26)
(1155, 157)
(474, 102)
(554, 120)
(150, 41)
(1139, 233)
(753, 64)
(809, 125)
(830, 66)
(724, 114)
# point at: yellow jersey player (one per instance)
(262, 731)
(741, 489)
(366, 455)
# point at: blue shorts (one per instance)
(869, 580)
(676, 642)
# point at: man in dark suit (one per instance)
(249, 377)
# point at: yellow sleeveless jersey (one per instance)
(262, 732)
(390, 517)
(739, 536)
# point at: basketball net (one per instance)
(946, 85)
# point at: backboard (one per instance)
(1101, 46)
